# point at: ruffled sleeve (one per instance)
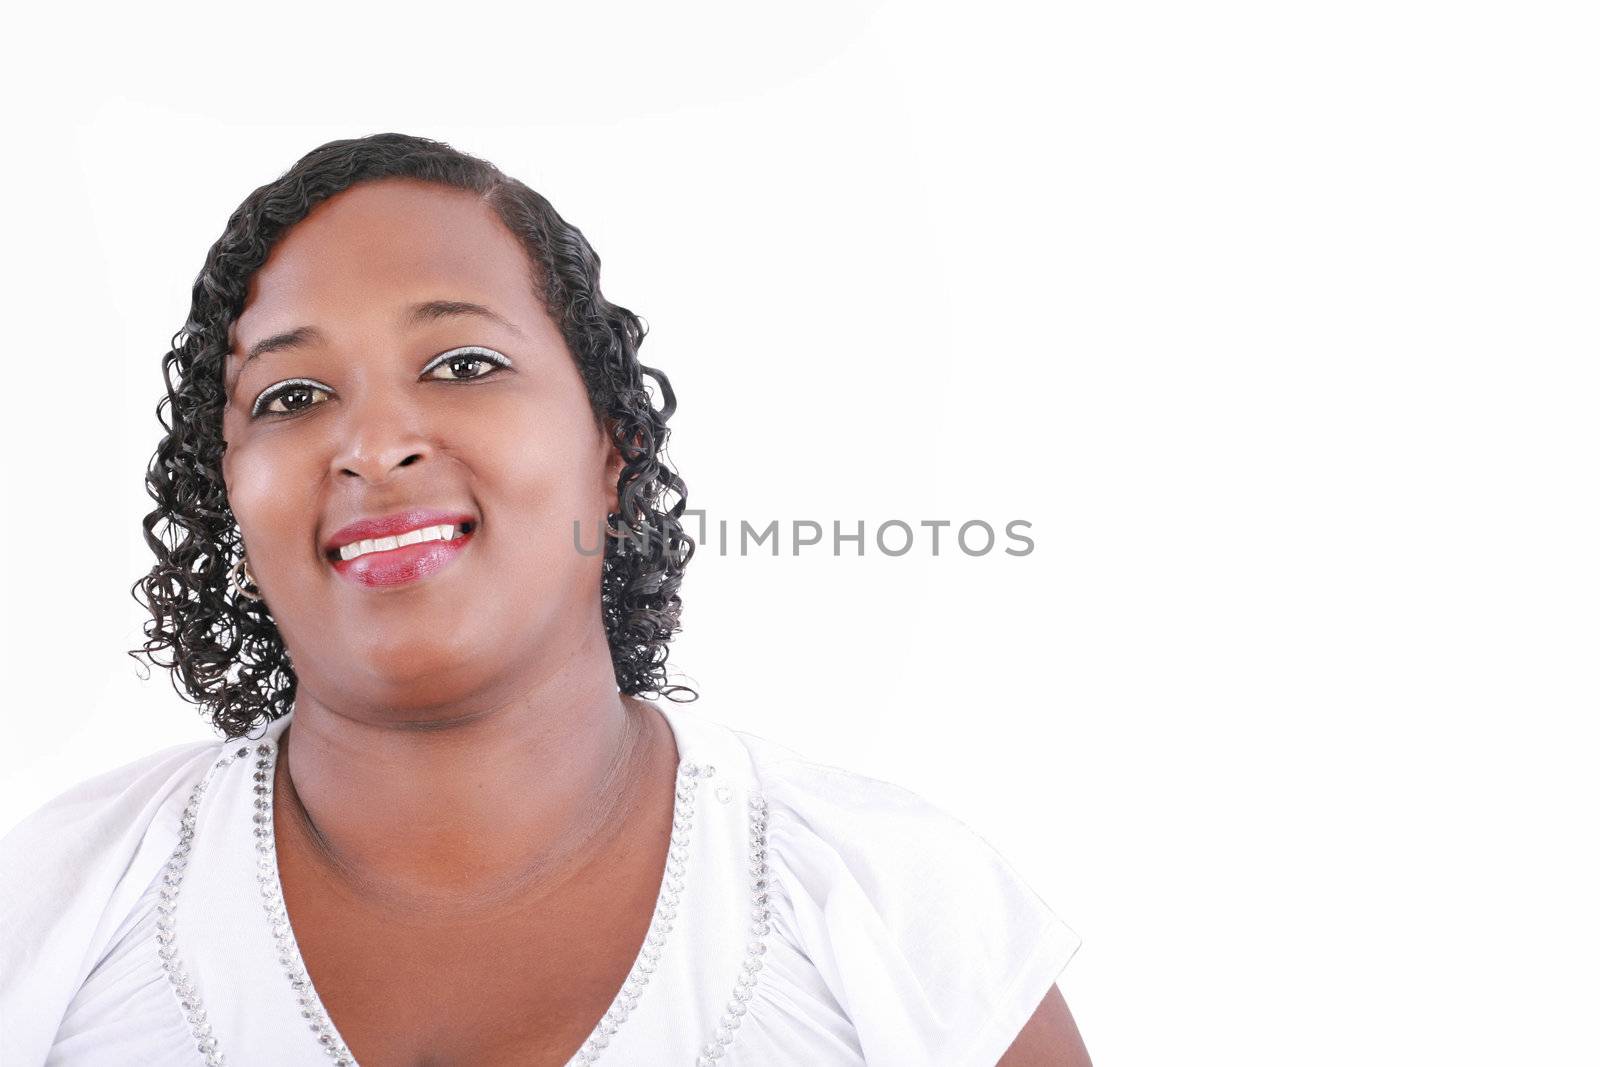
(70, 875)
(929, 941)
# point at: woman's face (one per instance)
(384, 426)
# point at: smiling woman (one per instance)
(446, 822)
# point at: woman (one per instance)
(445, 826)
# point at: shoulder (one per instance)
(890, 840)
(855, 812)
(72, 870)
(899, 902)
(78, 823)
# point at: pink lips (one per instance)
(397, 566)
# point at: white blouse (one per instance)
(808, 916)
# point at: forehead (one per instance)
(370, 249)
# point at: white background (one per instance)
(1277, 321)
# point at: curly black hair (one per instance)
(226, 648)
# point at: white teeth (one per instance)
(410, 537)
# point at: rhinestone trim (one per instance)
(166, 922)
(316, 1015)
(760, 925)
(661, 923)
(294, 967)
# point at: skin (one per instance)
(1049, 1039)
(471, 821)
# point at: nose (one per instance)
(381, 434)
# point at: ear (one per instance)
(613, 467)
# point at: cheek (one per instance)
(269, 490)
(538, 481)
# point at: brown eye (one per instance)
(295, 396)
(458, 366)
(465, 364)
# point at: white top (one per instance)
(808, 916)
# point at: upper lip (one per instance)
(393, 525)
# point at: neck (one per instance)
(465, 813)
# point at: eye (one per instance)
(459, 360)
(292, 390)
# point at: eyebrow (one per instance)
(427, 311)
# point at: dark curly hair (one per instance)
(226, 648)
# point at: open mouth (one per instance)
(424, 535)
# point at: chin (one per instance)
(414, 673)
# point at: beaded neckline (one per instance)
(267, 877)
(311, 1006)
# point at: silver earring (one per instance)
(234, 579)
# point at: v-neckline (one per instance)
(269, 878)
